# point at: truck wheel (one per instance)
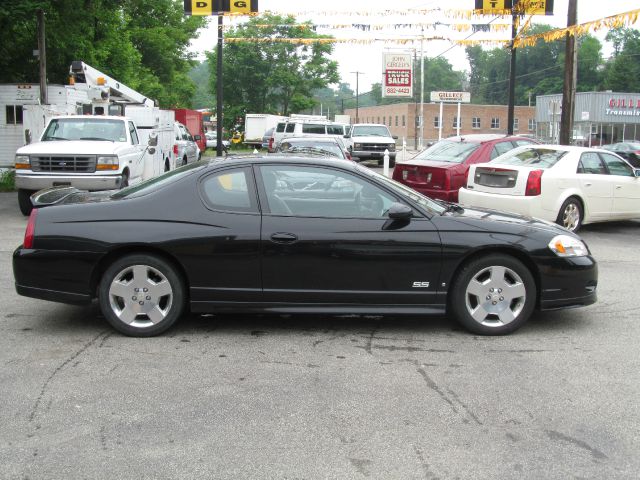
(185, 160)
(124, 181)
(166, 166)
(24, 201)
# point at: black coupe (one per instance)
(274, 234)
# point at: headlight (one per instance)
(566, 246)
(357, 146)
(392, 147)
(107, 162)
(22, 162)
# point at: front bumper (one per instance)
(568, 282)
(34, 181)
(365, 154)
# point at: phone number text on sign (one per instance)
(397, 90)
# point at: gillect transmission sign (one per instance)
(398, 75)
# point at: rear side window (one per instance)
(590, 163)
(290, 127)
(229, 190)
(280, 127)
(538, 157)
(314, 128)
(617, 166)
(335, 130)
(452, 152)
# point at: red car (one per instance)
(440, 170)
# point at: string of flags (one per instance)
(366, 27)
(361, 41)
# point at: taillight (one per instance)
(31, 229)
(175, 150)
(534, 183)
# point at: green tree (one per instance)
(622, 71)
(142, 43)
(271, 76)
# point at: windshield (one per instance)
(534, 157)
(331, 149)
(156, 183)
(404, 191)
(370, 130)
(447, 151)
(82, 128)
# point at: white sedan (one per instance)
(567, 185)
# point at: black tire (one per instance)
(167, 165)
(185, 160)
(124, 181)
(24, 201)
(493, 295)
(571, 214)
(131, 309)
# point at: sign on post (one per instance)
(212, 7)
(398, 75)
(455, 97)
(525, 7)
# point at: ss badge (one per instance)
(420, 284)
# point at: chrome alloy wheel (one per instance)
(495, 296)
(140, 296)
(571, 217)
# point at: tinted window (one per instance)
(321, 148)
(314, 128)
(500, 148)
(229, 190)
(290, 127)
(335, 129)
(616, 166)
(280, 127)
(522, 143)
(538, 157)
(156, 183)
(322, 192)
(133, 133)
(590, 163)
(446, 151)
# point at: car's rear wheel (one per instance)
(392, 162)
(141, 295)
(570, 215)
(24, 201)
(493, 295)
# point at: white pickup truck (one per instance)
(82, 151)
(368, 141)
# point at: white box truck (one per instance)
(255, 124)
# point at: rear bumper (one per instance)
(528, 206)
(53, 295)
(33, 181)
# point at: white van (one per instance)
(298, 128)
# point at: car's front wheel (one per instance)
(141, 295)
(493, 295)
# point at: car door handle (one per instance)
(618, 187)
(284, 237)
(588, 184)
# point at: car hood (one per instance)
(77, 147)
(483, 219)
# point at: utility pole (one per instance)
(219, 87)
(570, 77)
(421, 139)
(357, 93)
(415, 99)
(512, 69)
(42, 56)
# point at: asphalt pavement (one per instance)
(321, 397)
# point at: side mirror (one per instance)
(151, 150)
(636, 172)
(399, 211)
(346, 135)
(197, 138)
(395, 137)
(153, 140)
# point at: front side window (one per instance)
(133, 133)
(300, 191)
(229, 190)
(617, 166)
(335, 129)
(495, 122)
(280, 127)
(500, 148)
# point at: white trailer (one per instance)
(255, 124)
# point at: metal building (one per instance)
(599, 118)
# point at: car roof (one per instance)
(251, 158)
(482, 137)
(310, 138)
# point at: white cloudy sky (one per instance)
(368, 58)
